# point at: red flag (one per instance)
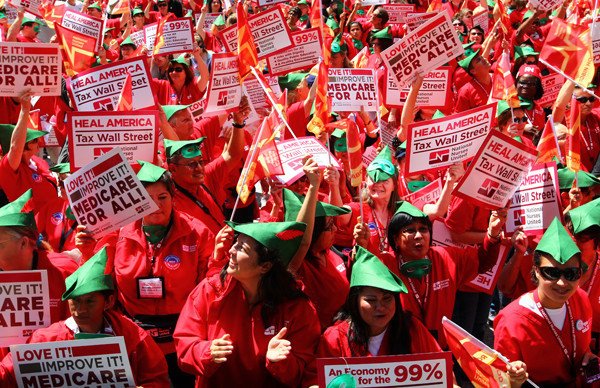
(482, 365)
(159, 41)
(247, 55)
(315, 15)
(434, 5)
(121, 7)
(321, 115)
(52, 13)
(503, 84)
(360, 60)
(505, 23)
(548, 148)
(573, 140)
(354, 146)
(125, 103)
(78, 50)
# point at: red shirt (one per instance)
(53, 224)
(471, 95)
(166, 95)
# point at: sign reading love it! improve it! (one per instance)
(33, 66)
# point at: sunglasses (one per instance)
(176, 70)
(518, 120)
(553, 274)
(523, 83)
(584, 100)
(476, 33)
(192, 165)
(162, 5)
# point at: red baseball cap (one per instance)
(531, 70)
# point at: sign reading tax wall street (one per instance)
(439, 143)
(95, 133)
(34, 66)
(99, 88)
(425, 48)
(352, 89)
(83, 24)
(106, 194)
(224, 90)
(434, 92)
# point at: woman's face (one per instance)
(325, 239)
(516, 125)
(337, 60)
(215, 6)
(177, 74)
(380, 190)
(31, 148)
(413, 241)
(377, 308)
(243, 260)
(526, 86)
(476, 36)
(554, 293)
(356, 31)
(88, 311)
(458, 26)
(163, 199)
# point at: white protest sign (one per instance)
(224, 90)
(439, 143)
(545, 5)
(415, 19)
(367, 3)
(209, 19)
(106, 194)
(537, 201)
(441, 236)
(268, 3)
(292, 151)
(50, 139)
(99, 88)
(197, 109)
(25, 301)
(434, 92)
(83, 24)
(270, 32)
(398, 11)
(351, 89)
(368, 155)
(596, 41)
(92, 134)
(31, 6)
(410, 370)
(552, 84)
(482, 20)
(428, 194)
(387, 132)
(150, 36)
(257, 95)
(427, 47)
(138, 37)
(35, 66)
(496, 171)
(99, 362)
(303, 55)
(177, 37)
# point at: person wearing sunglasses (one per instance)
(182, 86)
(547, 332)
(512, 121)
(530, 89)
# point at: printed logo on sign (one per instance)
(139, 209)
(172, 262)
(488, 188)
(104, 104)
(56, 218)
(36, 177)
(519, 216)
(99, 151)
(222, 99)
(439, 156)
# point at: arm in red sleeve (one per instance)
(7, 372)
(152, 368)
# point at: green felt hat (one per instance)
(90, 277)
(2, 15)
(332, 23)
(339, 144)
(491, 3)
(6, 131)
(219, 21)
(585, 216)
(136, 11)
(408, 208)
(149, 172)
(343, 381)
(524, 51)
(384, 33)
(382, 168)
(293, 202)
(464, 63)
(11, 215)
(181, 60)
(527, 15)
(96, 5)
(503, 106)
(61, 168)
(30, 20)
(291, 80)
(302, 2)
(337, 46)
(368, 270)
(584, 179)
(128, 41)
(468, 45)
(436, 115)
(170, 110)
(557, 243)
(284, 237)
(416, 185)
(189, 148)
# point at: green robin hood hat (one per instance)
(96, 5)
(283, 237)
(464, 63)
(90, 277)
(149, 172)
(585, 216)
(524, 51)
(408, 208)
(128, 41)
(384, 33)
(416, 185)
(6, 131)
(436, 115)
(30, 20)
(337, 46)
(368, 270)
(219, 21)
(302, 2)
(339, 144)
(557, 243)
(332, 23)
(293, 202)
(503, 106)
(584, 179)
(343, 381)
(181, 60)
(189, 148)
(382, 168)
(291, 81)
(11, 215)
(136, 11)
(61, 168)
(170, 110)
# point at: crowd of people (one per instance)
(213, 292)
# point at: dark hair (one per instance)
(210, 3)
(275, 287)
(295, 11)
(189, 74)
(400, 221)
(480, 29)
(537, 259)
(358, 331)
(357, 23)
(385, 43)
(539, 88)
(592, 231)
(383, 14)
(166, 180)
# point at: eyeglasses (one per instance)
(456, 24)
(412, 231)
(176, 70)
(523, 83)
(192, 165)
(476, 33)
(518, 120)
(584, 100)
(553, 274)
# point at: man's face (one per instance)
(30, 30)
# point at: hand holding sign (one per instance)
(519, 240)
(279, 348)
(221, 348)
(497, 221)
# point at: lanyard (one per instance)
(536, 299)
(198, 203)
(383, 243)
(589, 145)
(64, 234)
(151, 249)
(422, 303)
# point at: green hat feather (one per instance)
(128, 41)
(170, 110)
(189, 148)
(149, 172)
(11, 213)
(585, 216)
(368, 270)
(61, 168)
(584, 179)
(293, 202)
(557, 243)
(283, 237)
(219, 21)
(382, 168)
(464, 63)
(6, 131)
(408, 208)
(90, 277)
(291, 80)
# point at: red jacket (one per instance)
(213, 310)
(53, 224)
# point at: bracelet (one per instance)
(494, 237)
(236, 125)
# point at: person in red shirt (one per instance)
(512, 121)
(24, 29)
(476, 91)
(530, 89)
(181, 86)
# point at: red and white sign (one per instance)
(434, 93)
(439, 143)
(106, 194)
(178, 37)
(428, 194)
(482, 20)
(545, 5)
(398, 11)
(150, 36)
(268, 3)
(209, 19)
(224, 90)
(552, 84)
(352, 89)
(426, 48)
(34, 66)
(83, 24)
(496, 172)
(197, 109)
(270, 32)
(596, 41)
(31, 6)
(415, 19)
(25, 305)
(367, 3)
(138, 37)
(292, 151)
(303, 55)
(99, 88)
(101, 362)
(91, 133)
(537, 201)
(411, 370)
(257, 95)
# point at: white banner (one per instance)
(351, 89)
(83, 24)
(434, 93)
(303, 55)
(224, 90)
(34, 66)
(177, 37)
(292, 151)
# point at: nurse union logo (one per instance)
(56, 218)
(36, 177)
(172, 262)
